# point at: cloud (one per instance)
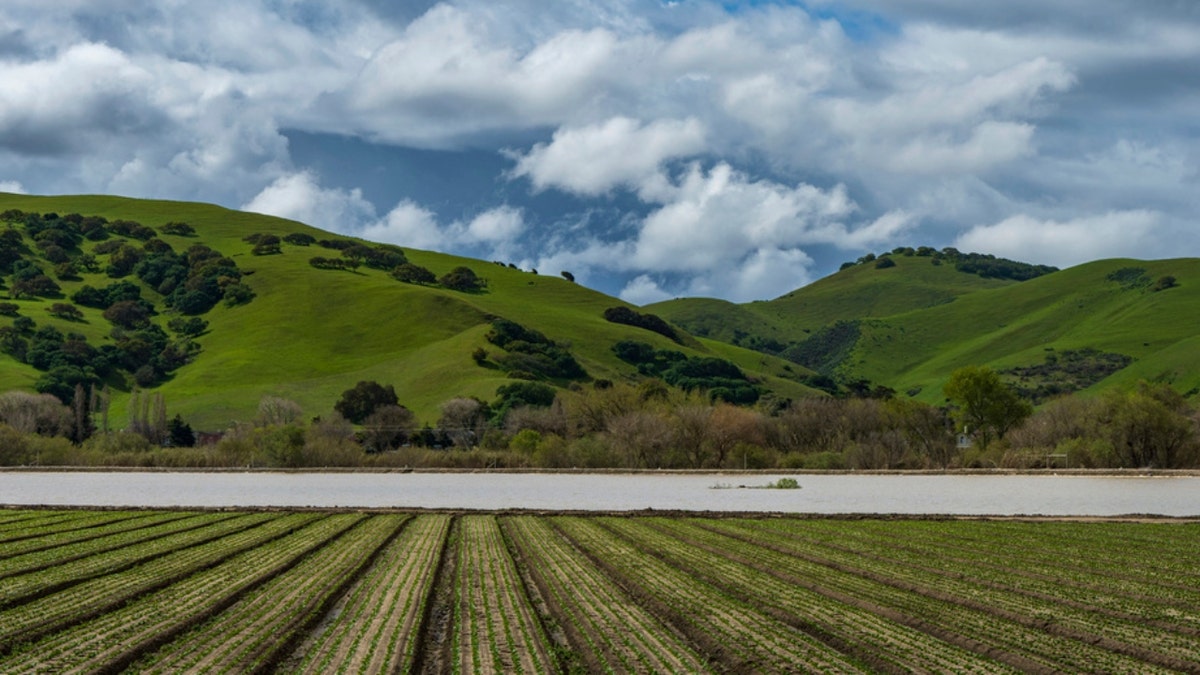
(299, 197)
(1115, 234)
(643, 290)
(949, 122)
(13, 187)
(445, 77)
(497, 225)
(764, 273)
(718, 232)
(492, 233)
(717, 139)
(407, 224)
(719, 216)
(594, 159)
(87, 93)
(989, 144)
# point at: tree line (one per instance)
(641, 425)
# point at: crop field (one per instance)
(373, 592)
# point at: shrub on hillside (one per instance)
(463, 279)
(413, 274)
(650, 322)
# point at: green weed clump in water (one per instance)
(784, 484)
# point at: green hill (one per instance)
(1081, 309)
(909, 324)
(903, 321)
(308, 334)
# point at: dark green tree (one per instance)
(358, 402)
(462, 279)
(413, 274)
(179, 433)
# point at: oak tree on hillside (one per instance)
(365, 398)
(462, 279)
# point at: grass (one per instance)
(919, 322)
(311, 334)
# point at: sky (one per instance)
(653, 149)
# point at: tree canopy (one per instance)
(358, 402)
(986, 405)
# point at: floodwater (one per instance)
(1049, 495)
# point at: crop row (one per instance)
(37, 533)
(496, 627)
(45, 571)
(263, 622)
(312, 592)
(1061, 609)
(96, 597)
(373, 628)
(613, 632)
(125, 633)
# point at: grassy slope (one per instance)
(1016, 325)
(310, 334)
(858, 292)
(921, 321)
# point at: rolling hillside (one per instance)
(309, 334)
(909, 325)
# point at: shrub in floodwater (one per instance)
(785, 484)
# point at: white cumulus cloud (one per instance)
(298, 196)
(643, 290)
(1064, 243)
(594, 159)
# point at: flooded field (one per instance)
(1053, 495)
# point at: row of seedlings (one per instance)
(47, 542)
(265, 623)
(1161, 596)
(495, 627)
(1143, 561)
(729, 631)
(608, 631)
(375, 627)
(1017, 639)
(66, 525)
(112, 641)
(46, 571)
(101, 598)
(860, 631)
(1058, 613)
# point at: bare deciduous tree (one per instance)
(276, 411)
(35, 413)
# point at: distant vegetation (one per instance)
(1065, 372)
(980, 264)
(619, 425)
(650, 322)
(721, 379)
(137, 351)
(826, 348)
(531, 355)
(109, 315)
(1137, 278)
